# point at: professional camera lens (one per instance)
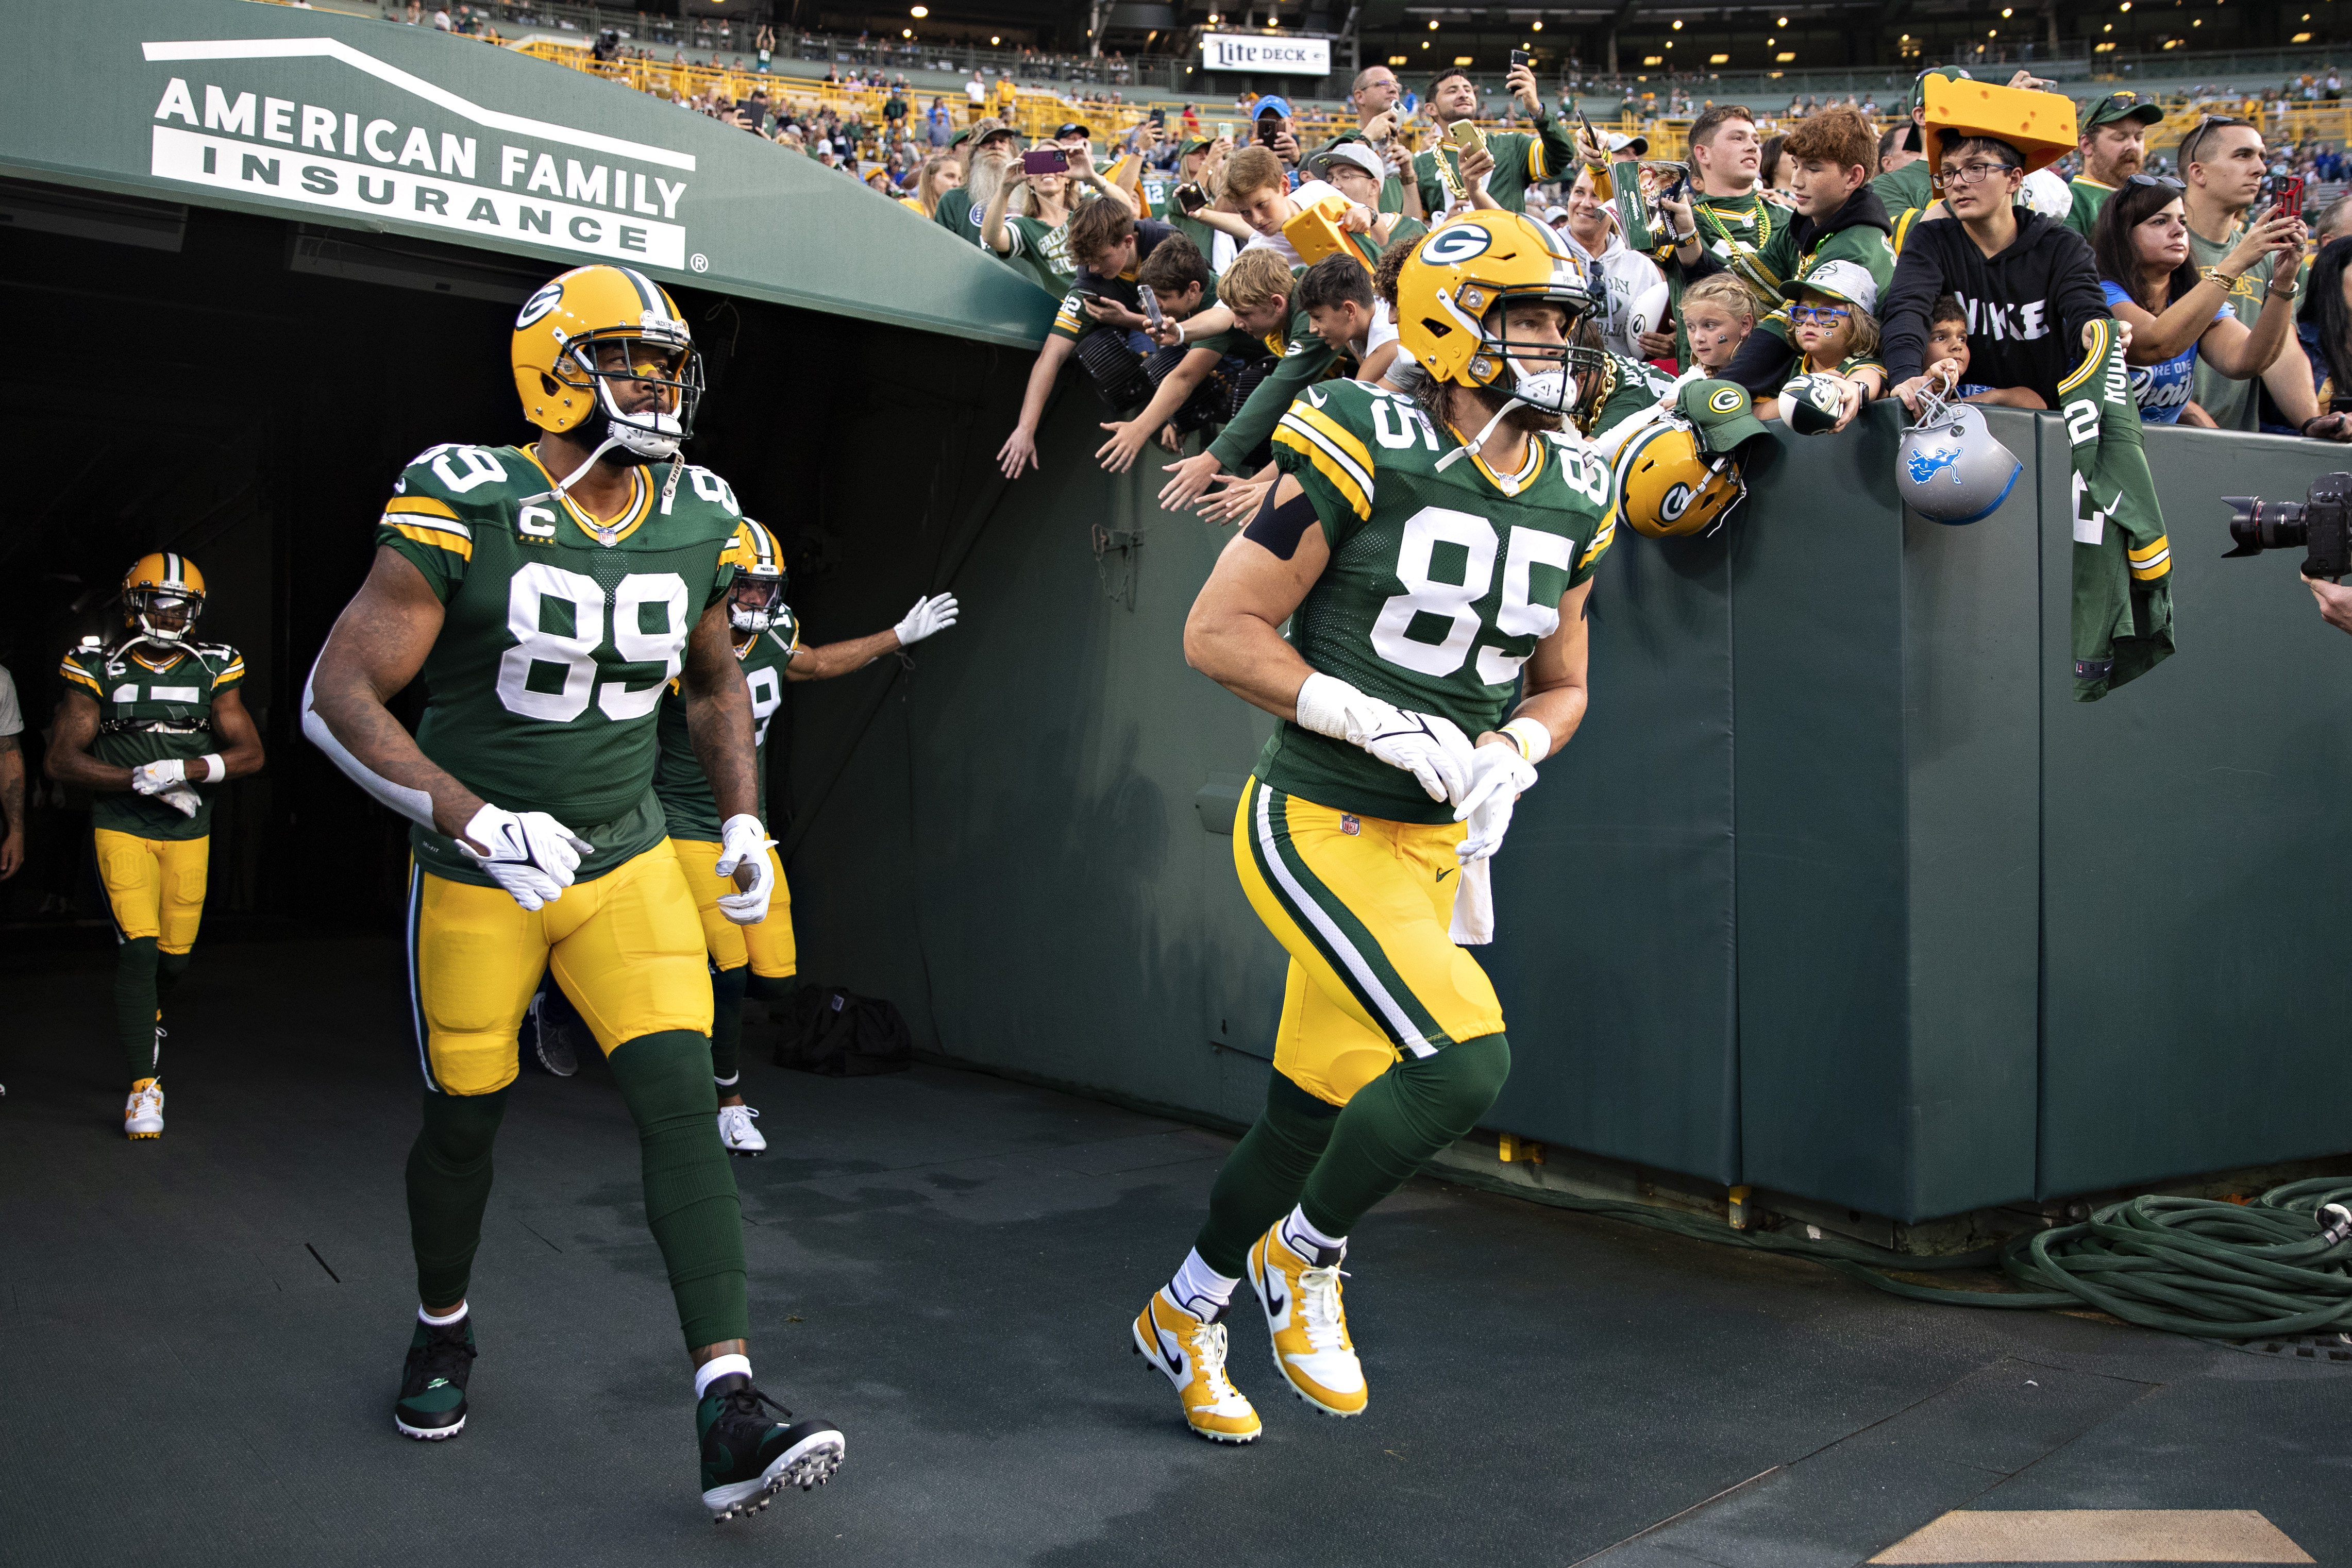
(2256, 524)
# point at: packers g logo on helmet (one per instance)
(1667, 488)
(1453, 244)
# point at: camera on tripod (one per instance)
(2321, 524)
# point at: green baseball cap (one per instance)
(2118, 106)
(1919, 84)
(1721, 413)
(1192, 145)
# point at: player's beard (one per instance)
(1527, 419)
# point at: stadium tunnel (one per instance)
(1838, 896)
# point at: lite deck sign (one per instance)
(1265, 52)
(239, 121)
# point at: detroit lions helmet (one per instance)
(1949, 467)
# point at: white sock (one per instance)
(1304, 1238)
(425, 1317)
(717, 1367)
(1201, 1290)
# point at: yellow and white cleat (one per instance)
(142, 1114)
(1311, 1348)
(1193, 1354)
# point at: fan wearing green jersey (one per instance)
(548, 595)
(152, 724)
(754, 960)
(1431, 557)
(1521, 160)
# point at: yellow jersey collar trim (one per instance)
(140, 658)
(1510, 485)
(640, 504)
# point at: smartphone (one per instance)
(1585, 122)
(1151, 303)
(2283, 193)
(1046, 160)
(1159, 117)
(1225, 129)
(1267, 129)
(1465, 136)
(1522, 58)
(1191, 199)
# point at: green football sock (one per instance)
(448, 1187)
(727, 1024)
(1397, 1124)
(690, 1200)
(773, 987)
(1264, 1175)
(134, 1005)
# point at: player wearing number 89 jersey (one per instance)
(754, 960)
(549, 595)
(1432, 555)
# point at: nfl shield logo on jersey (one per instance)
(1351, 826)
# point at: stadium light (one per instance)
(995, 41)
(919, 12)
(905, 32)
(1432, 24)
(1678, 24)
(1538, 26)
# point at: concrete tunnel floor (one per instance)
(202, 1335)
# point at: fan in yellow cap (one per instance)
(566, 378)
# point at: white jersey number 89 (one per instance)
(575, 652)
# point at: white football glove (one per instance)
(1498, 776)
(154, 778)
(181, 798)
(744, 842)
(532, 854)
(936, 613)
(1433, 749)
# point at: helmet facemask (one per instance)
(1544, 378)
(659, 355)
(748, 612)
(163, 614)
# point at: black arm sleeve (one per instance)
(2076, 294)
(1903, 312)
(1762, 364)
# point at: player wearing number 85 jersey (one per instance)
(754, 960)
(1432, 555)
(548, 595)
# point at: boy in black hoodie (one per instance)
(2027, 283)
(1839, 219)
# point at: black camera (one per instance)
(2321, 524)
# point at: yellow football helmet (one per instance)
(162, 594)
(1450, 294)
(1666, 487)
(567, 383)
(756, 600)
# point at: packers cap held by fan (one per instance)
(2118, 106)
(1919, 85)
(1722, 414)
(2040, 125)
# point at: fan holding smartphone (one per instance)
(1520, 159)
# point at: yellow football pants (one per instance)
(1364, 907)
(624, 947)
(155, 886)
(767, 947)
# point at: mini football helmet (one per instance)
(756, 600)
(1450, 297)
(162, 594)
(1949, 467)
(1809, 405)
(1667, 487)
(561, 370)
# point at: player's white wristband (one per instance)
(1532, 737)
(1323, 704)
(216, 769)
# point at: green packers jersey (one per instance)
(2089, 197)
(1736, 230)
(151, 709)
(559, 637)
(1906, 193)
(1041, 253)
(1440, 584)
(678, 781)
(1627, 387)
(1520, 160)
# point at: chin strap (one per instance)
(1480, 439)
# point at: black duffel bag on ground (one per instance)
(829, 1030)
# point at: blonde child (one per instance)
(1717, 314)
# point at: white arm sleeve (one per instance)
(413, 804)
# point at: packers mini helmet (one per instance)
(1667, 487)
(557, 339)
(158, 584)
(1450, 298)
(759, 563)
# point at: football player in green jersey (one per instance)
(754, 960)
(1431, 558)
(153, 724)
(547, 594)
